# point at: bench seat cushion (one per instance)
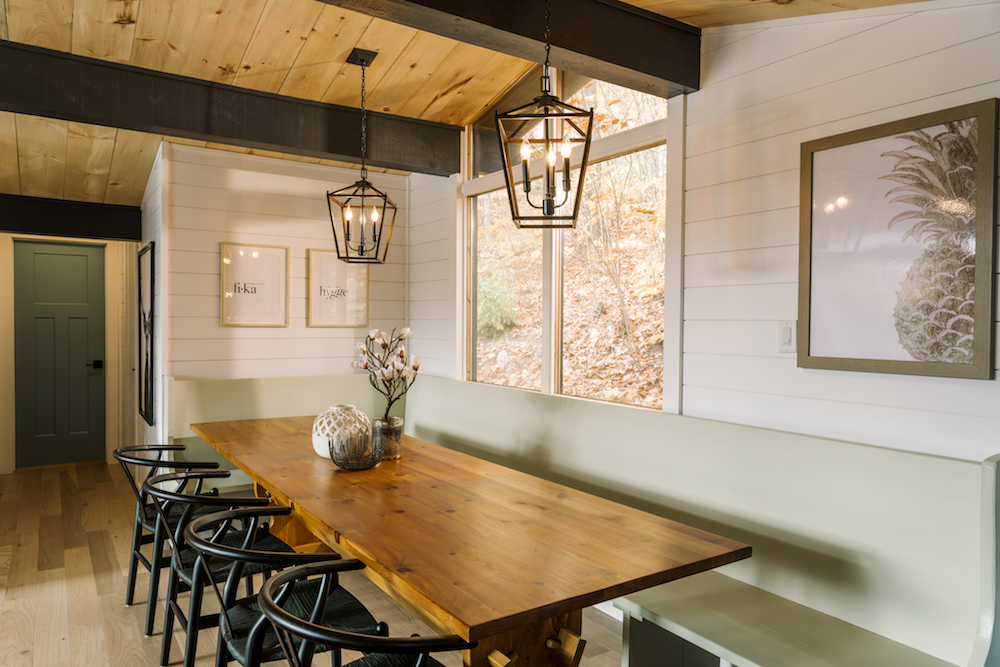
(753, 628)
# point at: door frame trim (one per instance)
(115, 314)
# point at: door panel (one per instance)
(79, 357)
(58, 335)
(45, 374)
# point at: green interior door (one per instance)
(59, 353)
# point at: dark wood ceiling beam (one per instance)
(601, 39)
(53, 84)
(59, 217)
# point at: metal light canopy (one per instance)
(543, 135)
(362, 216)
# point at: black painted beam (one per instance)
(53, 84)
(59, 217)
(601, 39)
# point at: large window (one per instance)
(597, 289)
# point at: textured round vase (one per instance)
(388, 435)
(346, 434)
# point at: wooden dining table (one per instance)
(473, 548)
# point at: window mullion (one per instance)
(549, 296)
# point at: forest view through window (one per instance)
(612, 306)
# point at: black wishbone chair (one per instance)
(144, 527)
(183, 575)
(244, 634)
(277, 594)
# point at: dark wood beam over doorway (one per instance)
(601, 39)
(53, 84)
(58, 217)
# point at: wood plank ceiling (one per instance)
(296, 48)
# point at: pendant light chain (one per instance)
(546, 81)
(364, 127)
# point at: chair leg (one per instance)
(222, 656)
(155, 565)
(194, 616)
(133, 563)
(168, 617)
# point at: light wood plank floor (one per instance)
(65, 535)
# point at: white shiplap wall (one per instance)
(766, 88)
(152, 225)
(214, 196)
(435, 246)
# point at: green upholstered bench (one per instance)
(693, 622)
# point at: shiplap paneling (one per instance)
(871, 96)
(754, 266)
(766, 89)
(926, 432)
(750, 338)
(217, 196)
(434, 253)
(742, 232)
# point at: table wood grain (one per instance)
(478, 549)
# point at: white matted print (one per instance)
(254, 285)
(338, 291)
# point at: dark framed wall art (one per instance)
(896, 262)
(147, 296)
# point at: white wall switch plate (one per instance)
(786, 336)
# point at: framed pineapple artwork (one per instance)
(896, 264)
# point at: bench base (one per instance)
(695, 621)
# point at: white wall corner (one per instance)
(460, 273)
(673, 271)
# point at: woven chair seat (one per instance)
(343, 611)
(220, 568)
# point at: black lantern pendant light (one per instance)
(362, 216)
(544, 134)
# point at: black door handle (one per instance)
(98, 363)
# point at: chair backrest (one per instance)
(214, 524)
(277, 590)
(151, 458)
(158, 487)
(211, 537)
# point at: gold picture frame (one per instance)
(254, 285)
(338, 291)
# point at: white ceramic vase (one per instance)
(343, 433)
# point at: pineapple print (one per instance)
(937, 177)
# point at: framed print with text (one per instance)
(896, 263)
(254, 285)
(147, 295)
(338, 291)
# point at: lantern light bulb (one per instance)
(525, 150)
(349, 214)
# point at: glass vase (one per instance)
(388, 434)
(347, 434)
